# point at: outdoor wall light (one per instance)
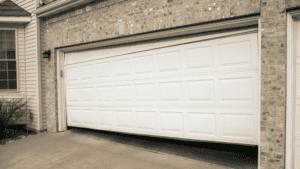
(47, 54)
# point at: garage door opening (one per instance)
(208, 154)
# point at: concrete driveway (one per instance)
(80, 148)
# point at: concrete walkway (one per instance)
(79, 148)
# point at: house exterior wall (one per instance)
(104, 19)
(30, 64)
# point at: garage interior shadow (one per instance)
(223, 154)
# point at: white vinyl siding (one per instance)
(30, 62)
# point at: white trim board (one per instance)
(292, 17)
(289, 107)
(16, 19)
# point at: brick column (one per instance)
(273, 84)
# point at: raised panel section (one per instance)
(102, 70)
(238, 125)
(143, 64)
(73, 95)
(237, 89)
(171, 122)
(87, 94)
(73, 74)
(201, 57)
(170, 91)
(146, 120)
(169, 61)
(104, 117)
(123, 93)
(235, 53)
(88, 117)
(87, 72)
(74, 116)
(104, 93)
(124, 119)
(122, 67)
(200, 90)
(202, 123)
(144, 92)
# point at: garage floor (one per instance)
(82, 148)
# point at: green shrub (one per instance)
(13, 111)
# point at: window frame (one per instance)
(17, 90)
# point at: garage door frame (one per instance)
(292, 17)
(231, 24)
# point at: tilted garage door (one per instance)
(201, 90)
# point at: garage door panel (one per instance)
(122, 67)
(123, 93)
(143, 64)
(102, 70)
(104, 94)
(88, 116)
(146, 120)
(104, 118)
(170, 91)
(74, 116)
(238, 125)
(201, 123)
(124, 119)
(199, 57)
(235, 53)
(72, 74)
(238, 88)
(183, 91)
(200, 90)
(169, 60)
(87, 94)
(73, 95)
(87, 71)
(171, 122)
(144, 92)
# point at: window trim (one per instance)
(17, 90)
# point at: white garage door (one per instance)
(202, 90)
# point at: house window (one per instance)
(8, 69)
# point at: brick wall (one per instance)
(112, 18)
(273, 83)
(292, 3)
(104, 19)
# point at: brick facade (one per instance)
(112, 18)
(273, 83)
(104, 19)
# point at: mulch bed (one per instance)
(14, 133)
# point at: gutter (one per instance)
(56, 7)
